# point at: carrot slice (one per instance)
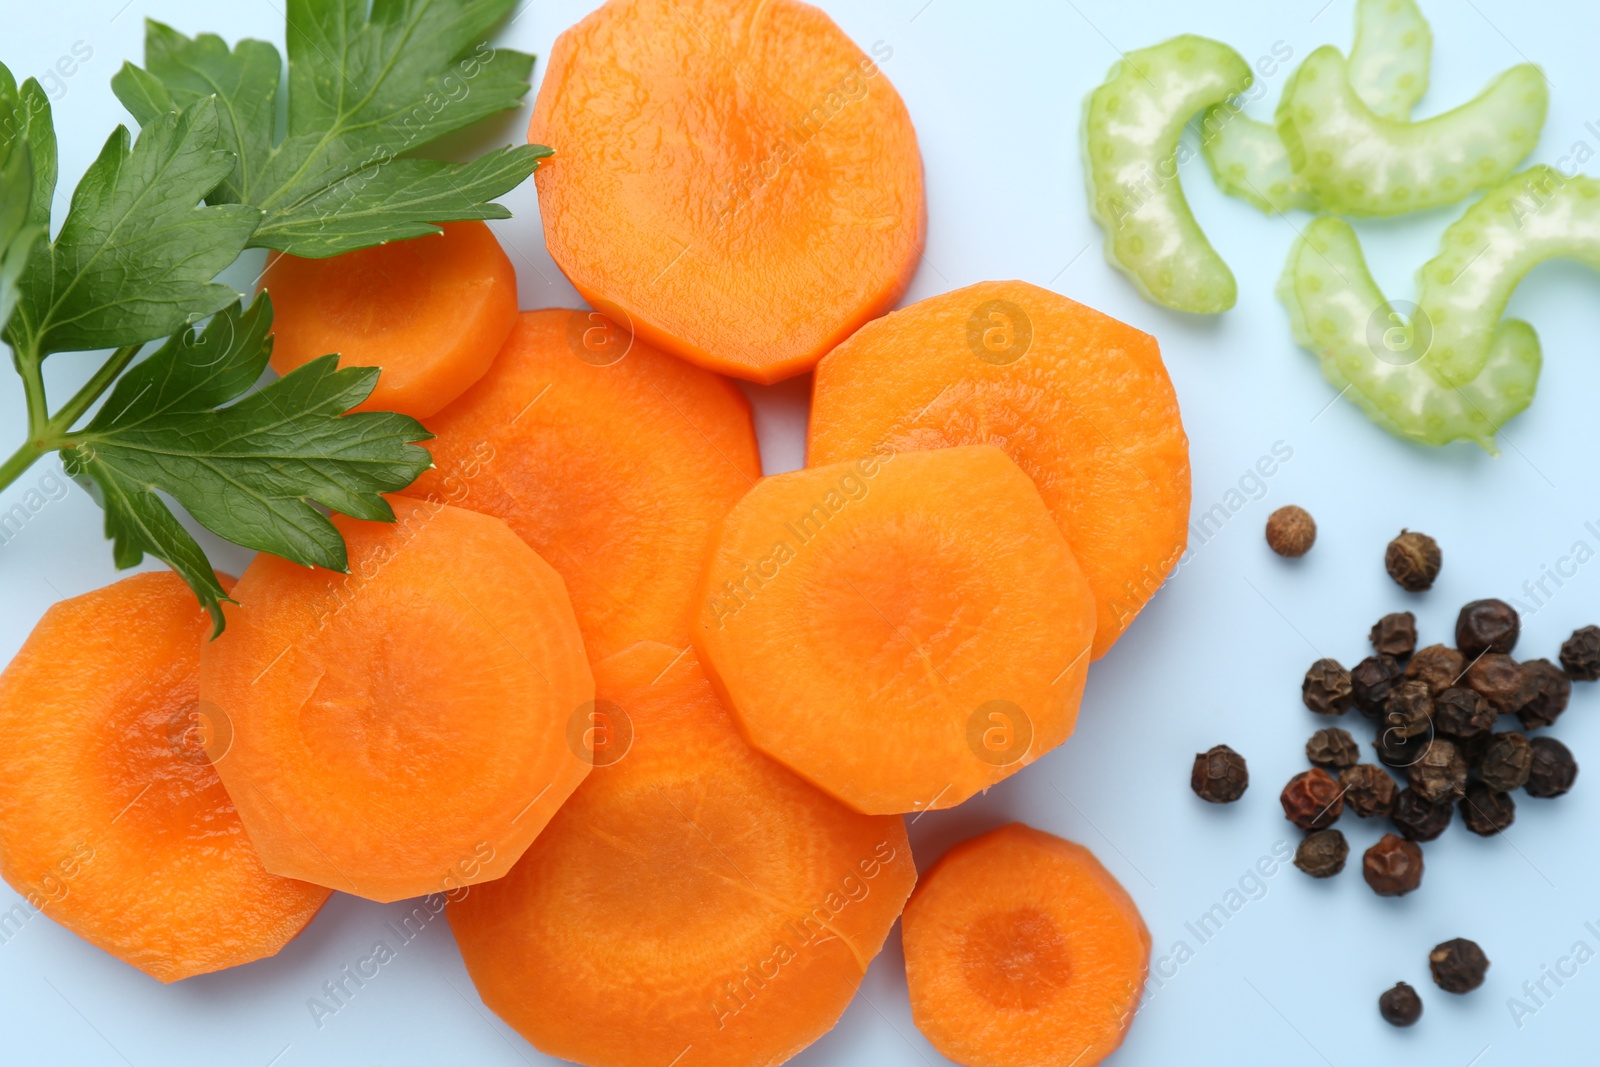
(612, 460)
(401, 729)
(902, 630)
(1080, 401)
(431, 311)
(1021, 949)
(737, 179)
(112, 820)
(693, 903)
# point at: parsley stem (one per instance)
(23, 458)
(61, 422)
(47, 432)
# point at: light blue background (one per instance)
(1292, 977)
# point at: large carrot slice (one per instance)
(903, 630)
(612, 460)
(738, 178)
(1080, 401)
(1021, 949)
(693, 903)
(431, 311)
(402, 729)
(112, 820)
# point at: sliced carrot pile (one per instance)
(693, 903)
(1021, 949)
(431, 311)
(402, 729)
(611, 459)
(738, 179)
(1080, 401)
(112, 820)
(902, 630)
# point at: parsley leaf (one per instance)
(19, 232)
(249, 471)
(363, 90)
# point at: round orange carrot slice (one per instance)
(401, 729)
(1080, 401)
(431, 311)
(738, 179)
(612, 460)
(112, 820)
(903, 630)
(692, 895)
(1021, 949)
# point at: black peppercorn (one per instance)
(1438, 665)
(1291, 531)
(1322, 853)
(1395, 635)
(1409, 710)
(1458, 965)
(1554, 770)
(1219, 775)
(1473, 749)
(1398, 752)
(1461, 713)
(1369, 790)
(1507, 762)
(1418, 819)
(1392, 867)
(1546, 689)
(1312, 799)
(1580, 654)
(1400, 1006)
(1332, 747)
(1440, 774)
(1497, 678)
(1326, 689)
(1485, 811)
(1487, 626)
(1370, 683)
(1413, 560)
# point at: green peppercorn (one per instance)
(1458, 965)
(1400, 1006)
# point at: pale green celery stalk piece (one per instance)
(1388, 71)
(1369, 349)
(1539, 214)
(1131, 126)
(1357, 163)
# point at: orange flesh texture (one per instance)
(400, 730)
(431, 311)
(1080, 401)
(903, 631)
(1023, 951)
(693, 899)
(112, 820)
(737, 178)
(612, 460)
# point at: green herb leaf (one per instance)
(250, 471)
(135, 256)
(18, 232)
(363, 90)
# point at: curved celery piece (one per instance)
(1360, 164)
(1540, 214)
(1388, 71)
(1365, 347)
(1131, 125)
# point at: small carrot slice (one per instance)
(692, 895)
(1080, 401)
(402, 729)
(903, 630)
(1021, 949)
(431, 311)
(112, 819)
(738, 178)
(612, 460)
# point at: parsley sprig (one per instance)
(157, 217)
